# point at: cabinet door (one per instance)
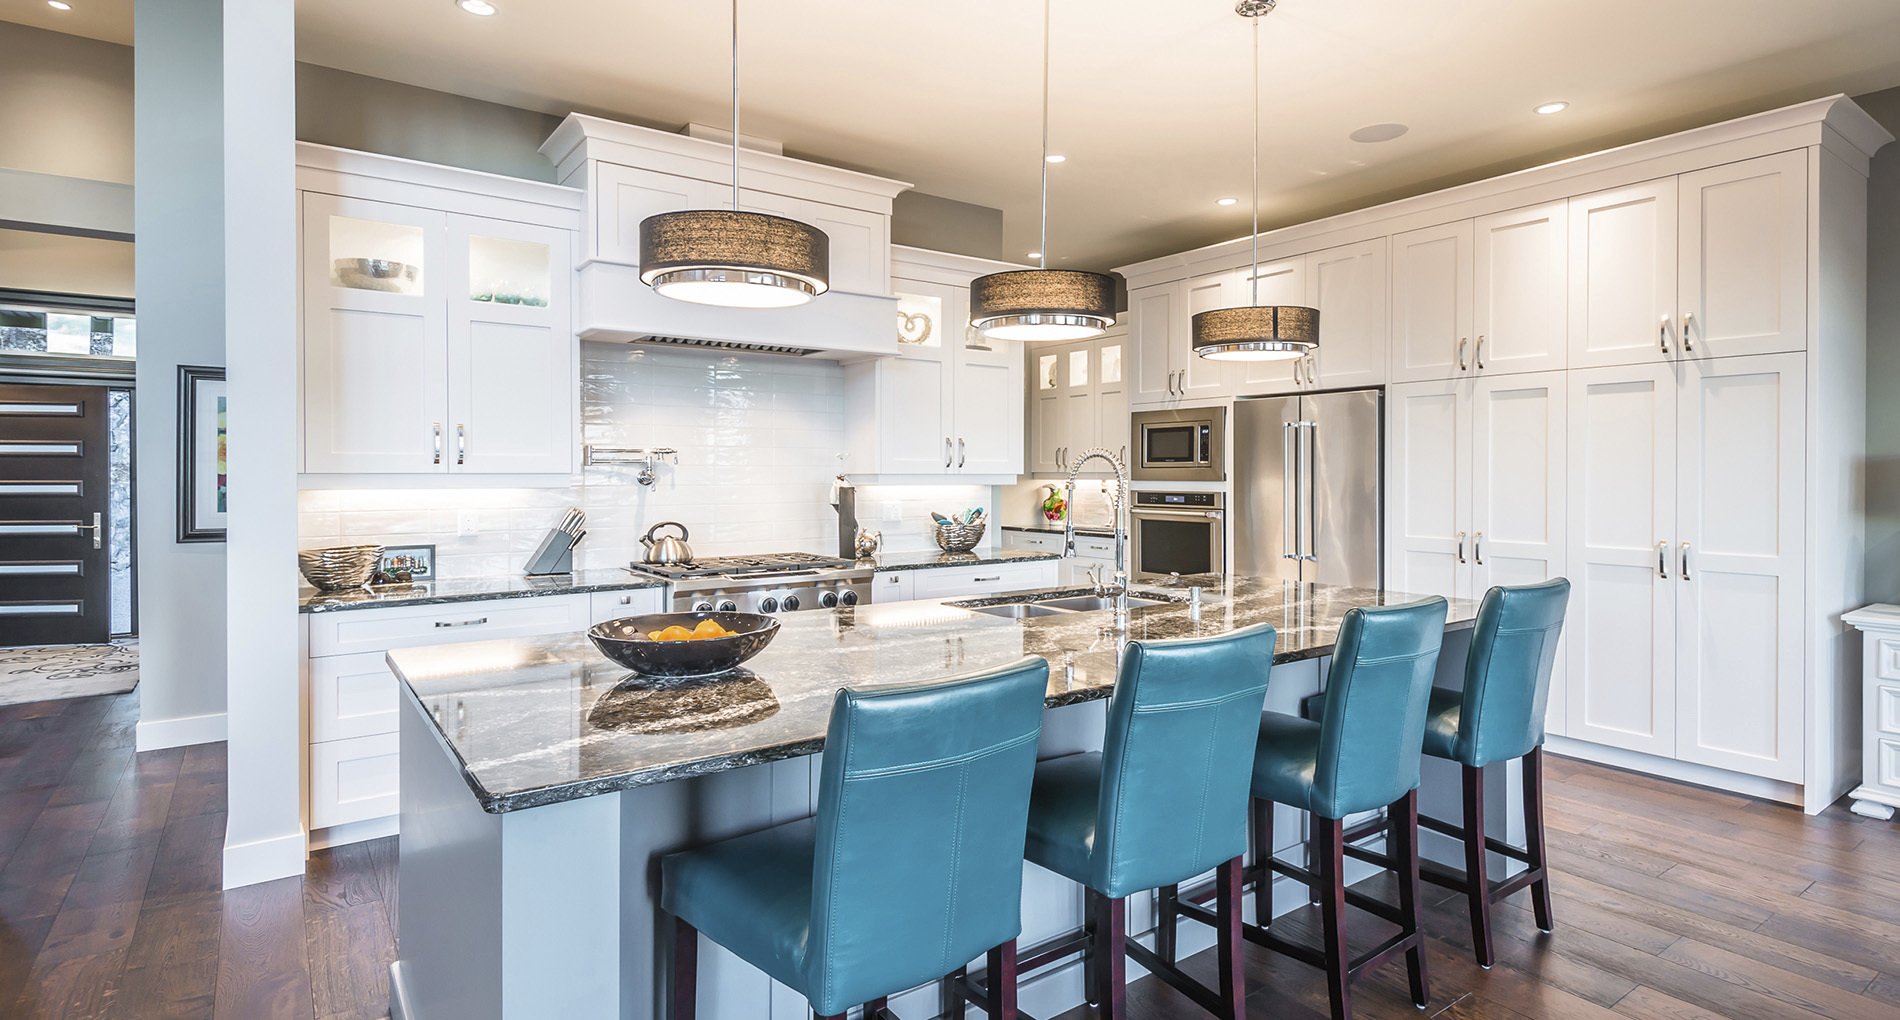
(989, 408)
(626, 195)
(1428, 444)
(374, 394)
(1078, 402)
(512, 349)
(1739, 676)
(1195, 376)
(1111, 394)
(1623, 275)
(915, 433)
(1153, 313)
(1521, 314)
(860, 241)
(1348, 286)
(1431, 303)
(1045, 407)
(1621, 630)
(1279, 283)
(1745, 257)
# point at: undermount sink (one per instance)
(1019, 610)
(1091, 603)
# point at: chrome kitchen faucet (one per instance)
(1121, 527)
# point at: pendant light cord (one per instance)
(1255, 237)
(735, 104)
(1042, 250)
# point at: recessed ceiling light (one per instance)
(59, 5)
(1227, 201)
(1055, 157)
(1378, 132)
(1547, 109)
(479, 8)
(1032, 254)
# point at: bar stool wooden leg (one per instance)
(1402, 819)
(1233, 982)
(1477, 877)
(955, 1006)
(685, 991)
(1091, 960)
(876, 1008)
(1111, 952)
(1166, 916)
(1328, 846)
(1262, 853)
(1534, 836)
(1002, 982)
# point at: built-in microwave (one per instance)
(1182, 445)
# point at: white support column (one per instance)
(265, 837)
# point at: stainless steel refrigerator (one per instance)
(1309, 491)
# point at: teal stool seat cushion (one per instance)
(1062, 814)
(1284, 769)
(751, 894)
(1441, 722)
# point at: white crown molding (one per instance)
(387, 178)
(912, 263)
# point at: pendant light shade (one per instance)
(731, 257)
(1255, 333)
(1042, 304)
(734, 258)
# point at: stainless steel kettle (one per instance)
(667, 550)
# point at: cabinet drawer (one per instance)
(944, 582)
(1888, 752)
(1887, 659)
(1034, 541)
(891, 586)
(354, 780)
(1887, 709)
(612, 605)
(376, 630)
(1095, 548)
(351, 696)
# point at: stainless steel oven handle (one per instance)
(1289, 506)
(1193, 515)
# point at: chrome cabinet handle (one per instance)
(1685, 561)
(438, 442)
(478, 621)
(1124, 455)
(1463, 342)
(1479, 353)
(1461, 547)
(1662, 560)
(1662, 334)
(461, 444)
(948, 456)
(1688, 323)
(1477, 548)
(960, 452)
(1288, 507)
(986, 580)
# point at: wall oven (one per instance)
(1182, 445)
(1181, 533)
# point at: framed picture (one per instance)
(202, 480)
(417, 562)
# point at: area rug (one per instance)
(51, 672)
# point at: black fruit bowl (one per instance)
(625, 641)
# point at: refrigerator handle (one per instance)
(1308, 464)
(1289, 502)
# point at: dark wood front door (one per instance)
(54, 462)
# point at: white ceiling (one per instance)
(1150, 99)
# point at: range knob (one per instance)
(849, 598)
(728, 606)
(702, 607)
(769, 604)
(828, 600)
(790, 603)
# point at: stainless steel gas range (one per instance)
(774, 583)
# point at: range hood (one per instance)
(629, 173)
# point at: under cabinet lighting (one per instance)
(479, 8)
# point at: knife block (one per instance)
(555, 554)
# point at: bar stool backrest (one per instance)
(923, 811)
(1177, 761)
(1373, 726)
(1507, 676)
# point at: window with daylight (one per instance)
(25, 329)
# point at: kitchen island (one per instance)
(538, 791)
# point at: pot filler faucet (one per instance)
(1120, 581)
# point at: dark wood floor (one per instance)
(1672, 903)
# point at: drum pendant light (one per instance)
(1255, 332)
(1043, 303)
(731, 257)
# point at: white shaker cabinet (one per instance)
(1428, 488)
(1623, 267)
(1520, 312)
(1283, 282)
(1348, 285)
(1080, 402)
(1744, 247)
(1431, 303)
(1157, 323)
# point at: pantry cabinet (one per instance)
(435, 339)
(1431, 303)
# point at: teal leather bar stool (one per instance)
(1163, 801)
(1499, 716)
(911, 868)
(1362, 754)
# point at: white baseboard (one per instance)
(354, 832)
(1679, 771)
(264, 860)
(157, 734)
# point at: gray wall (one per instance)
(944, 224)
(352, 111)
(65, 105)
(1883, 357)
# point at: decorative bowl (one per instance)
(625, 641)
(959, 538)
(340, 568)
(374, 274)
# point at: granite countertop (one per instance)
(1056, 529)
(938, 558)
(429, 593)
(539, 721)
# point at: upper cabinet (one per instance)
(1431, 303)
(435, 340)
(1273, 283)
(1520, 313)
(1157, 323)
(1348, 286)
(1079, 402)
